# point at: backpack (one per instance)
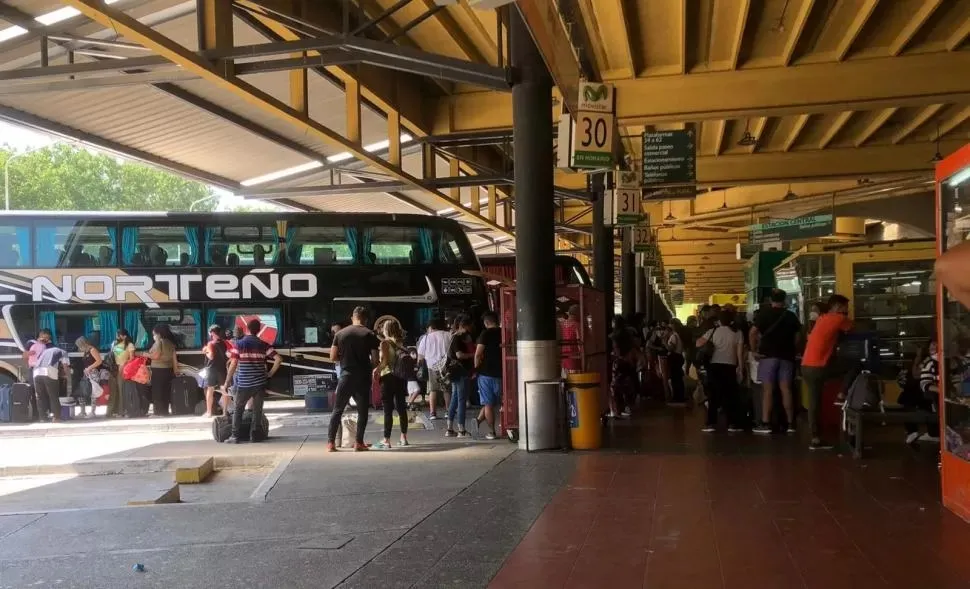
(864, 393)
(404, 366)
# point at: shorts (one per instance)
(489, 390)
(775, 370)
(214, 378)
(436, 384)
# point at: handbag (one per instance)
(705, 353)
(771, 328)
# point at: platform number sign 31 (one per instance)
(628, 206)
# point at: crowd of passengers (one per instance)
(742, 365)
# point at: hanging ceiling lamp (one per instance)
(670, 213)
(789, 195)
(747, 139)
(724, 202)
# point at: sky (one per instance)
(22, 138)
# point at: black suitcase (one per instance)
(134, 401)
(222, 427)
(22, 403)
(185, 395)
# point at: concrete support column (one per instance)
(651, 309)
(536, 346)
(628, 275)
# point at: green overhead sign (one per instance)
(676, 277)
(807, 227)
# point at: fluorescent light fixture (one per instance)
(281, 174)
(56, 16)
(445, 211)
(502, 238)
(11, 32)
(379, 146)
(954, 180)
(333, 159)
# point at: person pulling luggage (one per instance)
(247, 364)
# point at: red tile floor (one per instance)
(680, 510)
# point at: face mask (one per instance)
(813, 315)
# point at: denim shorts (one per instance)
(489, 390)
(775, 370)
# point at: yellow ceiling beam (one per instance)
(878, 120)
(795, 31)
(864, 9)
(144, 35)
(909, 80)
(913, 25)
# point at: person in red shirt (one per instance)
(816, 360)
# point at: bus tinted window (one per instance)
(14, 246)
(397, 245)
(186, 324)
(321, 246)
(68, 324)
(229, 319)
(75, 245)
(241, 246)
(165, 245)
(450, 250)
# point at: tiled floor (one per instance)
(675, 509)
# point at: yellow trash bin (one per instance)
(583, 396)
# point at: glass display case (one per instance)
(808, 277)
(953, 329)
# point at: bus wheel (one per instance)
(513, 435)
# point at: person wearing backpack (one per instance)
(395, 368)
(774, 339)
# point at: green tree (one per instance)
(65, 178)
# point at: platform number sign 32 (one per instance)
(641, 239)
(593, 140)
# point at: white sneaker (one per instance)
(708, 429)
(911, 438)
(626, 412)
(928, 438)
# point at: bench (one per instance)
(855, 420)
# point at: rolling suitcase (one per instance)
(134, 400)
(185, 395)
(15, 405)
(222, 427)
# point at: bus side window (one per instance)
(232, 245)
(14, 246)
(74, 245)
(160, 245)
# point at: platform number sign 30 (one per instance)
(593, 140)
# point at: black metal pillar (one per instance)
(641, 278)
(651, 310)
(628, 275)
(537, 347)
(602, 246)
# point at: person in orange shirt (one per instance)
(816, 360)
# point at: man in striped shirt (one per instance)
(247, 364)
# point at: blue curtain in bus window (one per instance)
(292, 247)
(366, 241)
(427, 245)
(133, 326)
(210, 318)
(48, 322)
(113, 237)
(196, 315)
(109, 327)
(350, 233)
(192, 238)
(424, 317)
(129, 247)
(23, 244)
(89, 330)
(47, 253)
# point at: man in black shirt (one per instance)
(488, 363)
(355, 347)
(774, 339)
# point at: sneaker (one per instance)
(384, 445)
(232, 440)
(762, 429)
(361, 447)
(912, 438)
(433, 416)
(451, 434)
(928, 438)
(331, 447)
(464, 434)
(733, 430)
(611, 415)
(708, 429)
(403, 442)
(790, 430)
(490, 436)
(205, 415)
(626, 412)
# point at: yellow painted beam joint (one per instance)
(193, 471)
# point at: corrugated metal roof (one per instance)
(144, 118)
(359, 203)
